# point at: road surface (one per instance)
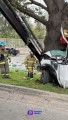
(16, 106)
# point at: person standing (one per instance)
(29, 62)
(4, 61)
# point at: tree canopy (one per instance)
(57, 15)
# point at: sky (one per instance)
(43, 2)
(66, 0)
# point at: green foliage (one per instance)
(15, 1)
(39, 30)
(6, 29)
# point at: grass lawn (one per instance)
(17, 78)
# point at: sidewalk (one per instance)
(30, 91)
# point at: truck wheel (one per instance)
(45, 77)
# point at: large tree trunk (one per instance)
(56, 19)
(52, 40)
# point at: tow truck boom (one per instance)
(16, 22)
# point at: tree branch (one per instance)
(50, 5)
(59, 4)
(28, 12)
(46, 2)
(39, 4)
(32, 14)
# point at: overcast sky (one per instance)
(66, 0)
(43, 2)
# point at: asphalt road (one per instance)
(16, 106)
(16, 61)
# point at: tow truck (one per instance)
(21, 26)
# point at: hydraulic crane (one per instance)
(17, 23)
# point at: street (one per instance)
(16, 105)
(16, 61)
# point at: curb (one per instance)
(35, 92)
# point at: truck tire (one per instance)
(45, 77)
